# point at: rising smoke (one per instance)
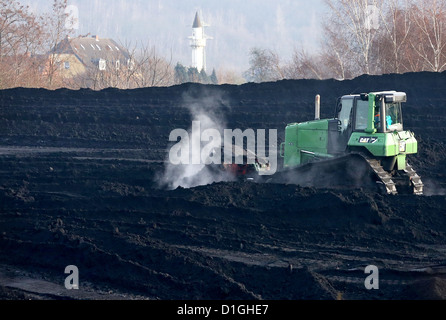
(206, 109)
(433, 187)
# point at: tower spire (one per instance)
(197, 21)
(198, 44)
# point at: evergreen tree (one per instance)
(193, 75)
(204, 78)
(213, 77)
(181, 74)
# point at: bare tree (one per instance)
(336, 55)
(395, 26)
(20, 36)
(264, 66)
(55, 32)
(429, 40)
(354, 22)
(305, 66)
(376, 36)
(153, 70)
(12, 18)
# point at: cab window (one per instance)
(362, 109)
(344, 114)
(377, 118)
(394, 120)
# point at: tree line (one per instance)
(359, 37)
(364, 37)
(27, 59)
(23, 36)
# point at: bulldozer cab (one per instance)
(368, 112)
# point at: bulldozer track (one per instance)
(315, 174)
(386, 178)
(382, 174)
(414, 179)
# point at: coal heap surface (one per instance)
(81, 184)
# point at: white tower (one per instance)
(198, 44)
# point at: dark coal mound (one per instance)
(80, 185)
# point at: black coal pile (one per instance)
(83, 182)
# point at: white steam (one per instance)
(433, 188)
(204, 110)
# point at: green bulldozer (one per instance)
(363, 146)
(365, 136)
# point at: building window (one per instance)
(102, 64)
(118, 65)
(67, 65)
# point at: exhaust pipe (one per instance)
(317, 107)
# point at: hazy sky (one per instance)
(235, 26)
